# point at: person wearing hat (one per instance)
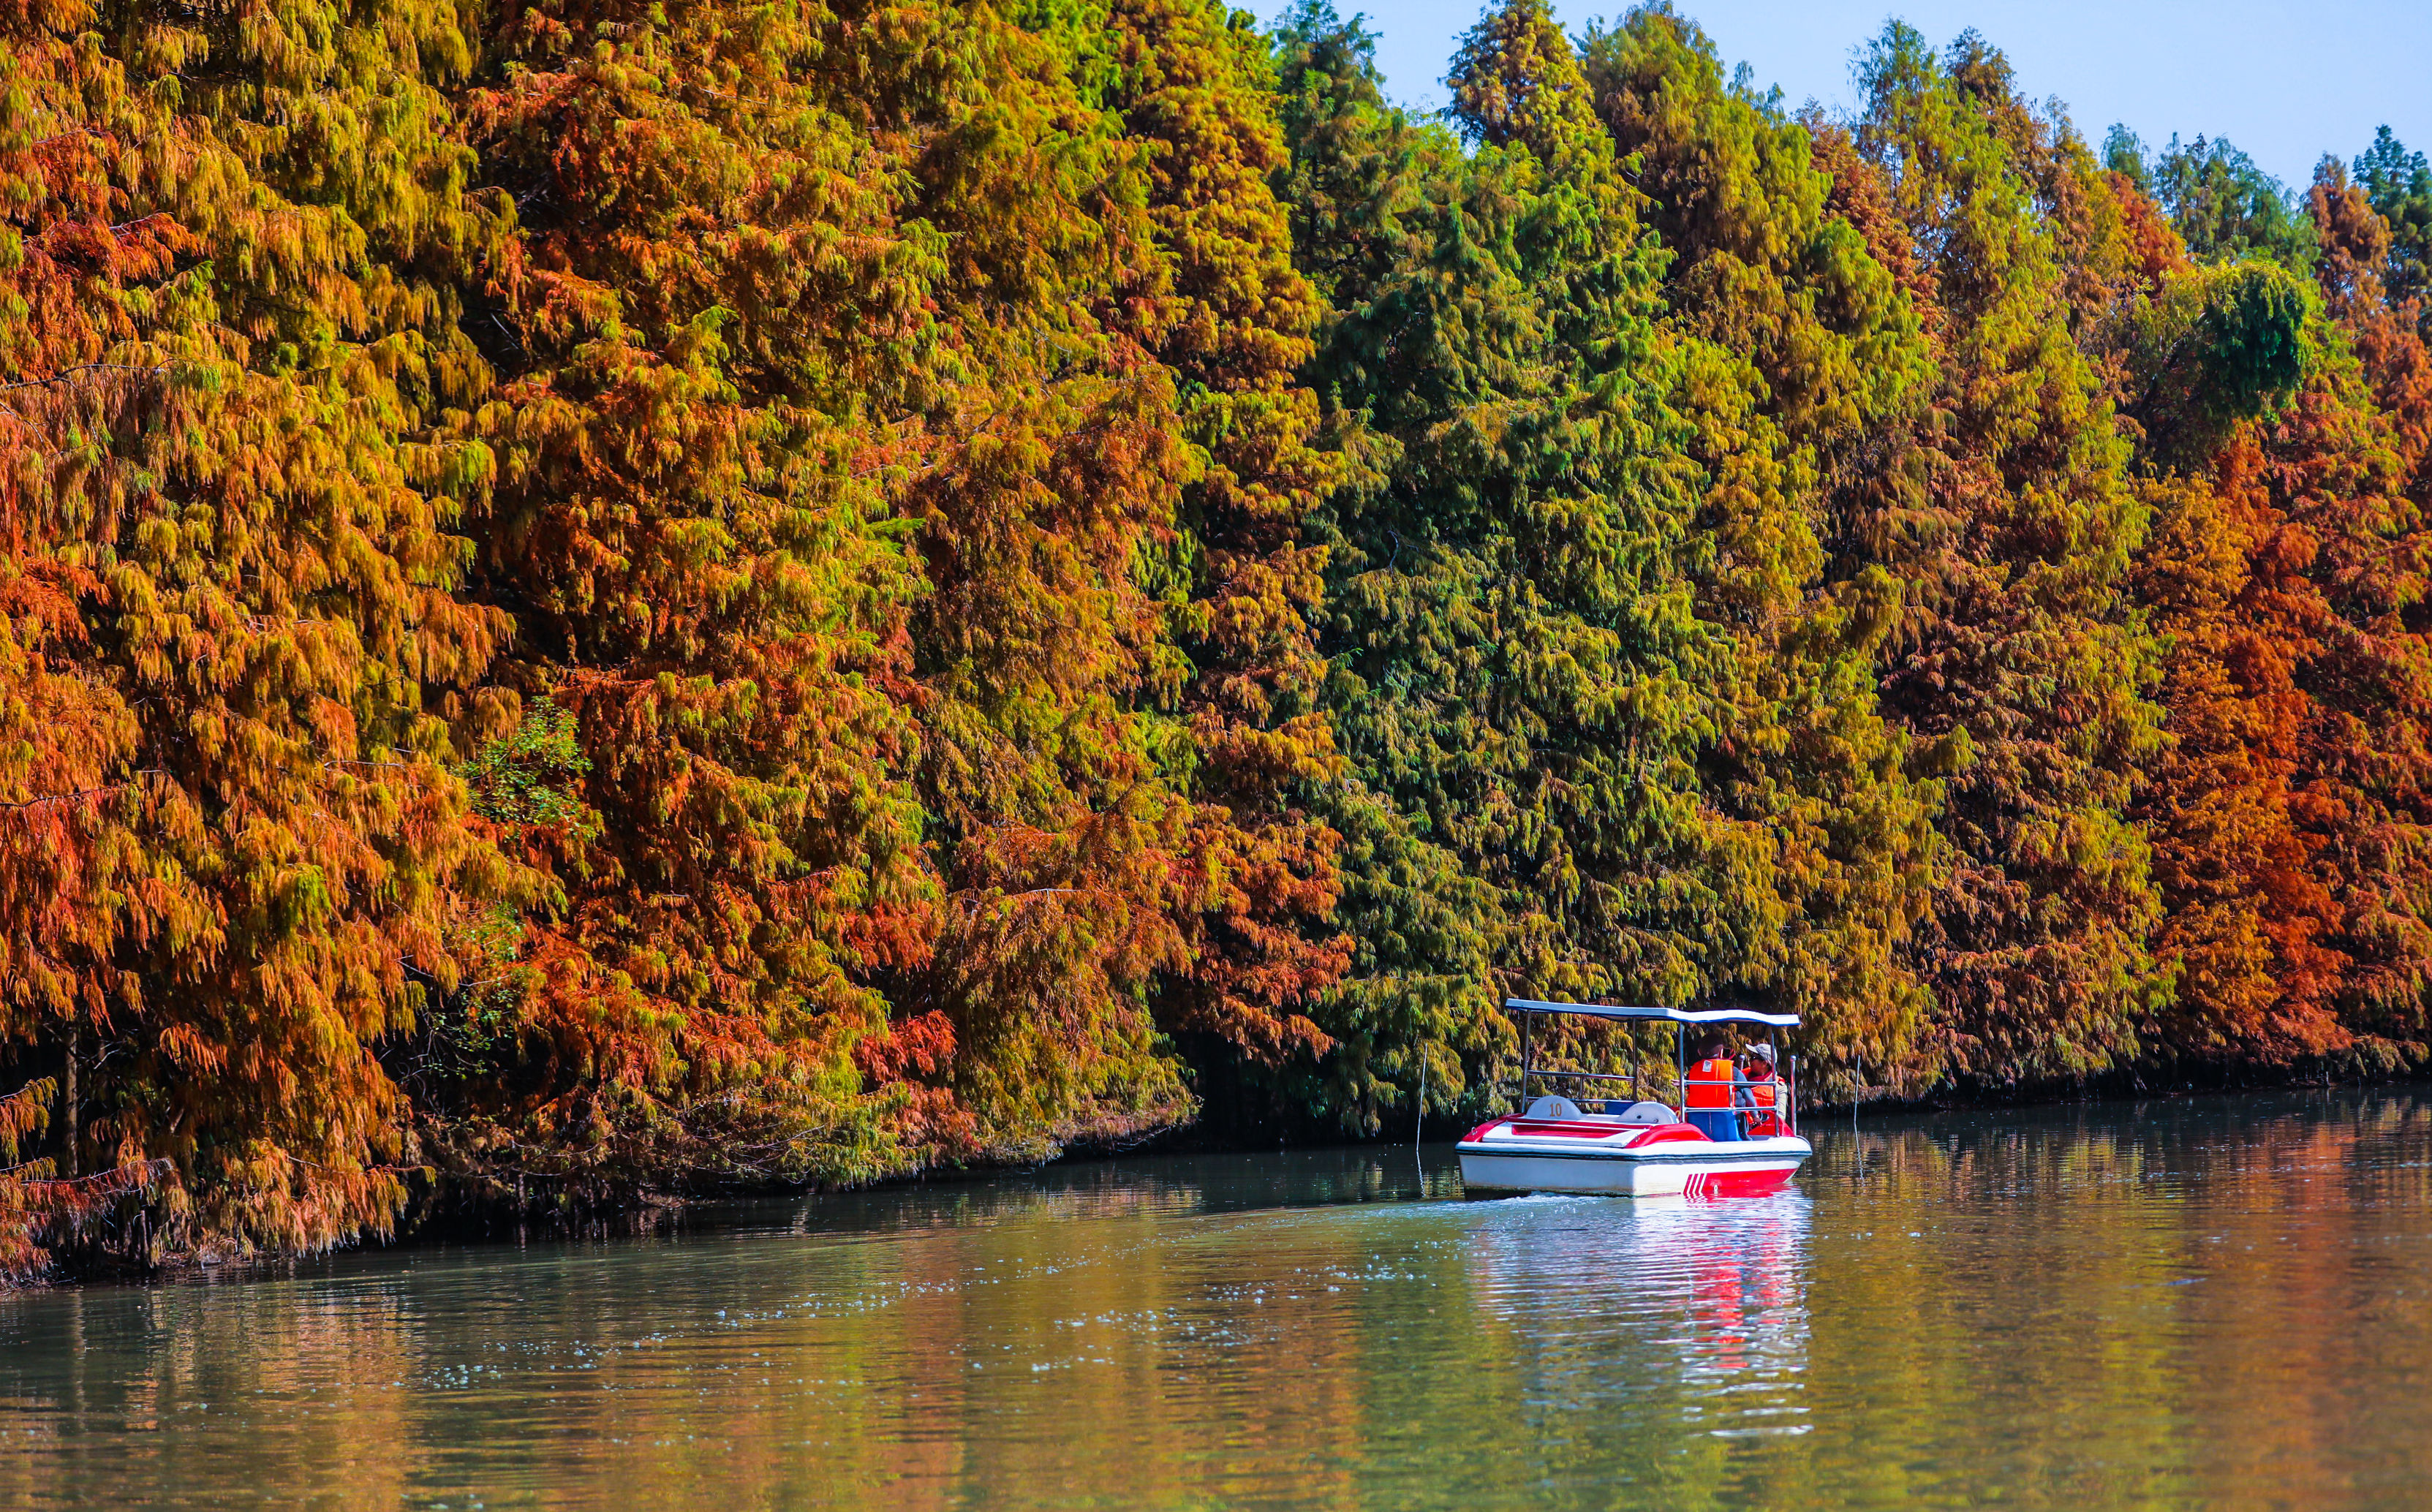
(1761, 1084)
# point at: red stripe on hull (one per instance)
(1734, 1183)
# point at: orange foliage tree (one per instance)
(234, 638)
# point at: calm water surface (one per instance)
(2219, 1304)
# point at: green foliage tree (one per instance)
(2214, 346)
(1363, 188)
(1765, 267)
(2398, 184)
(1530, 567)
(2223, 206)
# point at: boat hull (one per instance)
(1678, 1164)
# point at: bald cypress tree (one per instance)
(1232, 319)
(1814, 352)
(2012, 514)
(1417, 1002)
(234, 645)
(827, 482)
(1527, 575)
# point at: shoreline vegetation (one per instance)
(624, 599)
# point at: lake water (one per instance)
(2221, 1303)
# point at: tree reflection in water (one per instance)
(2219, 1303)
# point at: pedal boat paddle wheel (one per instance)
(1627, 1146)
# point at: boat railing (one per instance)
(1784, 1106)
(1554, 1073)
(1741, 1097)
(1526, 1010)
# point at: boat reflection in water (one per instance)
(1702, 1306)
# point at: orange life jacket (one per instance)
(1764, 1095)
(1710, 1084)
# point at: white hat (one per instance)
(1760, 1048)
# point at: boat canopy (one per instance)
(1673, 1015)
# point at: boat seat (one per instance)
(1550, 1106)
(1649, 1112)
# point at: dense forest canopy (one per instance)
(635, 597)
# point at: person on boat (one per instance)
(1763, 1082)
(1712, 1095)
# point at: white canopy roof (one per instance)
(1676, 1015)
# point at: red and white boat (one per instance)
(1630, 1147)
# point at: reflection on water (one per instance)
(1701, 1304)
(2223, 1303)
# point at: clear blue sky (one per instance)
(2286, 82)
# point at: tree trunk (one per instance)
(68, 1130)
